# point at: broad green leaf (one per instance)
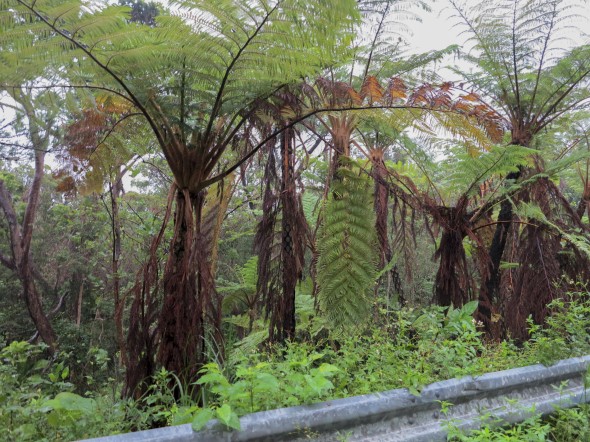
(470, 307)
(71, 402)
(267, 381)
(327, 369)
(201, 418)
(224, 413)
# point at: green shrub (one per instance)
(38, 403)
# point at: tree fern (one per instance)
(243, 293)
(463, 173)
(310, 203)
(348, 253)
(532, 79)
(524, 67)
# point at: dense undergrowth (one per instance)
(410, 348)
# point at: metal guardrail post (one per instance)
(397, 415)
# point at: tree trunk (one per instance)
(79, 304)
(187, 292)
(452, 283)
(116, 191)
(142, 336)
(283, 315)
(215, 207)
(499, 243)
(490, 287)
(584, 204)
(381, 203)
(539, 277)
(340, 146)
(20, 244)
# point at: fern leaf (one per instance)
(347, 265)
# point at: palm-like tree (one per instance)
(525, 73)
(195, 79)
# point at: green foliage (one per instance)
(578, 240)
(523, 64)
(571, 425)
(241, 292)
(531, 430)
(311, 207)
(565, 333)
(37, 403)
(264, 385)
(201, 72)
(413, 349)
(463, 172)
(418, 347)
(347, 243)
(225, 54)
(565, 425)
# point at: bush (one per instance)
(38, 403)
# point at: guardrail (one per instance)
(509, 396)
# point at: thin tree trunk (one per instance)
(116, 190)
(79, 304)
(584, 204)
(490, 287)
(381, 201)
(21, 236)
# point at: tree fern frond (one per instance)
(520, 47)
(464, 173)
(348, 257)
(311, 207)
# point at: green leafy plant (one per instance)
(347, 262)
(38, 403)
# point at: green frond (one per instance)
(250, 343)
(535, 214)
(406, 64)
(215, 58)
(311, 207)
(347, 264)
(463, 172)
(521, 50)
(249, 272)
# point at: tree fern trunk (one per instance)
(142, 333)
(539, 277)
(186, 292)
(584, 204)
(490, 287)
(453, 282)
(284, 313)
(381, 206)
(381, 200)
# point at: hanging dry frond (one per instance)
(371, 90)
